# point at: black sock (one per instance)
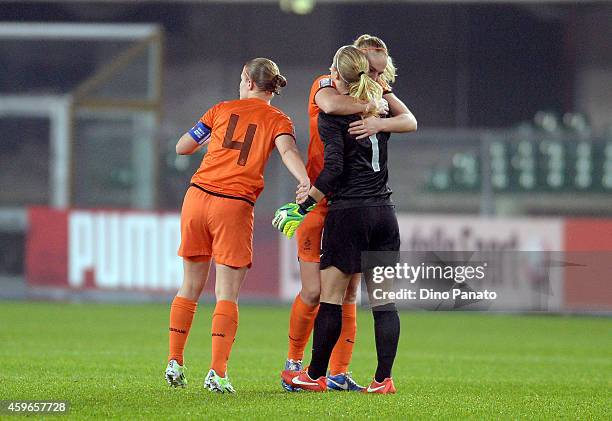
(387, 332)
(327, 327)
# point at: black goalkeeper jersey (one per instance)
(355, 172)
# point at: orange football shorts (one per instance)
(217, 227)
(309, 233)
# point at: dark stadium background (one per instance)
(513, 153)
(472, 73)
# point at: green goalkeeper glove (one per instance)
(288, 217)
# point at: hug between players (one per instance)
(342, 208)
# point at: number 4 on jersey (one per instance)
(245, 146)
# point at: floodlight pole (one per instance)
(487, 198)
(61, 153)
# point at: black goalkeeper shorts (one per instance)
(349, 232)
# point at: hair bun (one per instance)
(280, 81)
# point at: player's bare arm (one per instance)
(292, 159)
(403, 121)
(186, 145)
(199, 135)
(330, 101)
(315, 193)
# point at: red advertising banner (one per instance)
(127, 250)
(46, 261)
(588, 245)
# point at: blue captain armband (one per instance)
(200, 132)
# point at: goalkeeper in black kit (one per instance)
(361, 218)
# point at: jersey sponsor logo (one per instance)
(326, 83)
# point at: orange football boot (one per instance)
(301, 379)
(384, 387)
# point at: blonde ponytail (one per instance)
(352, 66)
(366, 89)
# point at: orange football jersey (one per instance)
(314, 166)
(243, 132)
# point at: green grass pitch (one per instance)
(108, 360)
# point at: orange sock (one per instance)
(224, 327)
(301, 323)
(343, 351)
(182, 311)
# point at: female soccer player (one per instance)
(217, 213)
(361, 217)
(324, 96)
